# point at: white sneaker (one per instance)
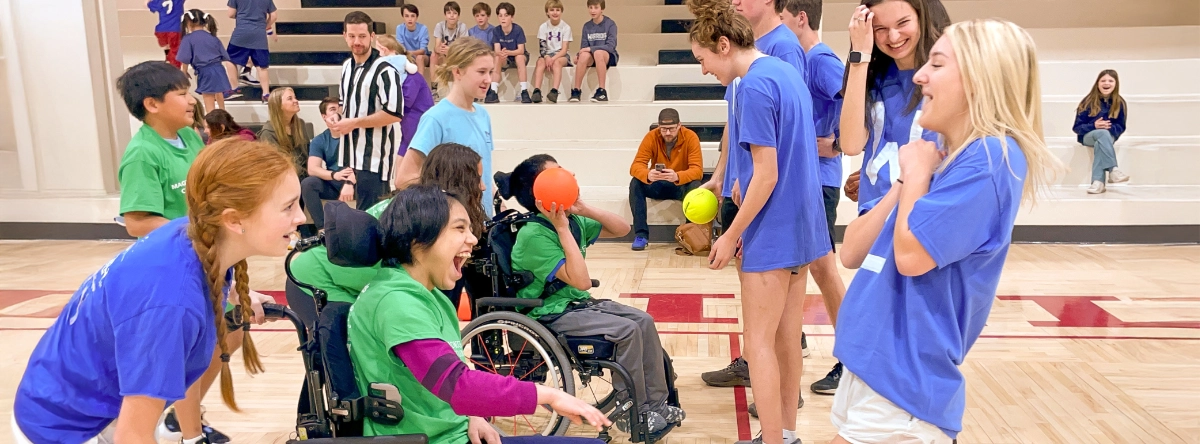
(1096, 188)
(1116, 176)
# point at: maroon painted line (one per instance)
(741, 408)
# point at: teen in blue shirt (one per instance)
(143, 329)
(780, 227)
(881, 102)
(932, 249)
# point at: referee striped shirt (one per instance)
(364, 90)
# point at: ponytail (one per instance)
(201, 18)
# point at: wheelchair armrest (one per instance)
(508, 302)
(595, 283)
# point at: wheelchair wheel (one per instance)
(512, 344)
(596, 388)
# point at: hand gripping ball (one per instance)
(556, 186)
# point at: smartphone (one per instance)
(660, 166)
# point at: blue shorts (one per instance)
(239, 56)
(612, 61)
(511, 61)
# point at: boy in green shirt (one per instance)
(556, 255)
(153, 172)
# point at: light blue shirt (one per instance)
(906, 336)
(889, 126)
(414, 40)
(446, 123)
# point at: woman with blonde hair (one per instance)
(286, 130)
(932, 249)
(139, 333)
(1099, 122)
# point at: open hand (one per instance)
(479, 431)
(578, 411)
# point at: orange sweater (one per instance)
(685, 158)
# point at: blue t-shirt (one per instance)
(170, 14)
(201, 49)
(482, 34)
(825, 83)
(773, 110)
(414, 40)
(142, 325)
(733, 156)
(906, 336)
(448, 123)
(889, 127)
(325, 147)
(509, 41)
(250, 23)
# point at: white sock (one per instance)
(524, 86)
(193, 440)
(789, 436)
(495, 86)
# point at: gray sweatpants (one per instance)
(638, 347)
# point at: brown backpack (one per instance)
(694, 239)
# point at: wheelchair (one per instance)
(505, 341)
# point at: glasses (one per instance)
(669, 129)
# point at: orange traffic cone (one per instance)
(464, 307)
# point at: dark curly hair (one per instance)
(455, 168)
(519, 184)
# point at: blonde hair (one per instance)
(998, 64)
(229, 174)
(716, 19)
(550, 4)
(389, 41)
(1093, 99)
(460, 55)
(286, 142)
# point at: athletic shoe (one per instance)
(537, 95)
(672, 414)
(169, 428)
(804, 345)
(553, 96)
(232, 94)
(829, 384)
(524, 97)
(492, 97)
(1096, 188)
(734, 375)
(575, 94)
(753, 409)
(758, 440)
(639, 243)
(654, 423)
(600, 96)
(265, 98)
(1116, 176)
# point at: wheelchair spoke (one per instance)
(540, 364)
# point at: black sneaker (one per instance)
(734, 375)
(524, 96)
(170, 427)
(804, 345)
(600, 96)
(492, 97)
(537, 95)
(829, 384)
(758, 440)
(575, 94)
(553, 96)
(753, 409)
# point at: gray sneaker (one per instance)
(672, 414)
(737, 373)
(753, 409)
(758, 440)
(654, 423)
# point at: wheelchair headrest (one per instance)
(351, 236)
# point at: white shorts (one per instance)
(106, 436)
(864, 417)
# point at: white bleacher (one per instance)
(1153, 44)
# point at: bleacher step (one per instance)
(321, 28)
(689, 91)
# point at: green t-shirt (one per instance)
(392, 310)
(538, 250)
(341, 284)
(153, 172)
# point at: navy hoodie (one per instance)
(1085, 123)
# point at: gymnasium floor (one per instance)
(1086, 344)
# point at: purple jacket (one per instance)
(417, 100)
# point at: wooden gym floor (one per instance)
(1086, 344)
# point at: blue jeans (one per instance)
(1105, 156)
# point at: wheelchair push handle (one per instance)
(277, 312)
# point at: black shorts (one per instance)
(831, 196)
(239, 56)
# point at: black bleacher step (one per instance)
(326, 58)
(351, 3)
(672, 2)
(677, 26)
(303, 92)
(320, 28)
(707, 132)
(689, 91)
(673, 57)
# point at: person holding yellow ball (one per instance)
(668, 165)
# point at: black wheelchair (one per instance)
(501, 339)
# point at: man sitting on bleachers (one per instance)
(668, 165)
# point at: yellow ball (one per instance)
(700, 206)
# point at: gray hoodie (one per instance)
(602, 36)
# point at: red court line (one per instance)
(741, 408)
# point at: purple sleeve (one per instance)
(410, 90)
(469, 392)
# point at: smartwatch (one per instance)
(859, 57)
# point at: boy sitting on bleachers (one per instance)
(668, 165)
(598, 48)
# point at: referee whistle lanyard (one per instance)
(889, 154)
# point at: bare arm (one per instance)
(766, 174)
(271, 18)
(141, 223)
(853, 120)
(137, 419)
(574, 270)
(316, 167)
(232, 13)
(611, 224)
(862, 232)
(410, 169)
